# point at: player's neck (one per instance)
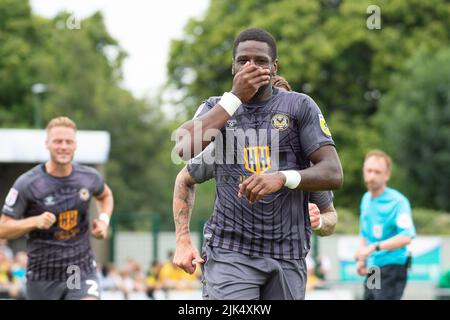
(263, 96)
(58, 170)
(376, 193)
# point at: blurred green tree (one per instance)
(415, 117)
(18, 40)
(82, 71)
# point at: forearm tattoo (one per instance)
(184, 197)
(329, 220)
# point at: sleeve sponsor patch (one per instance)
(8, 209)
(324, 126)
(11, 198)
(404, 221)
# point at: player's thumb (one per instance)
(51, 217)
(198, 258)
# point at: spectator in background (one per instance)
(17, 289)
(5, 276)
(324, 267)
(152, 279)
(171, 277)
(110, 278)
(139, 280)
(126, 284)
(132, 279)
(6, 249)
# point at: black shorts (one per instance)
(393, 282)
(87, 287)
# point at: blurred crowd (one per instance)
(317, 272)
(158, 281)
(130, 281)
(12, 272)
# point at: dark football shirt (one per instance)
(202, 171)
(66, 243)
(289, 127)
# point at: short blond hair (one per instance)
(61, 122)
(380, 154)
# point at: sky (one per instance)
(143, 28)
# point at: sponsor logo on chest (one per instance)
(49, 201)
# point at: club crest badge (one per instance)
(84, 194)
(280, 122)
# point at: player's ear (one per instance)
(388, 176)
(232, 67)
(275, 67)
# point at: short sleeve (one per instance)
(98, 185)
(16, 201)
(404, 221)
(362, 222)
(200, 110)
(201, 168)
(322, 199)
(206, 106)
(313, 130)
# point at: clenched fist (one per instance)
(184, 257)
(99, 229)
(314, 215)
(45, 220)
(257, 186)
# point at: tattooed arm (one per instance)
(183, 202)
(328, 217)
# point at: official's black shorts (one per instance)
(87, 287)
(392, 285)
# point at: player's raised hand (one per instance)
(248, 80)
(314, 215)
(99, 229)
(260, 185)
(45, 220)
(184, 255)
